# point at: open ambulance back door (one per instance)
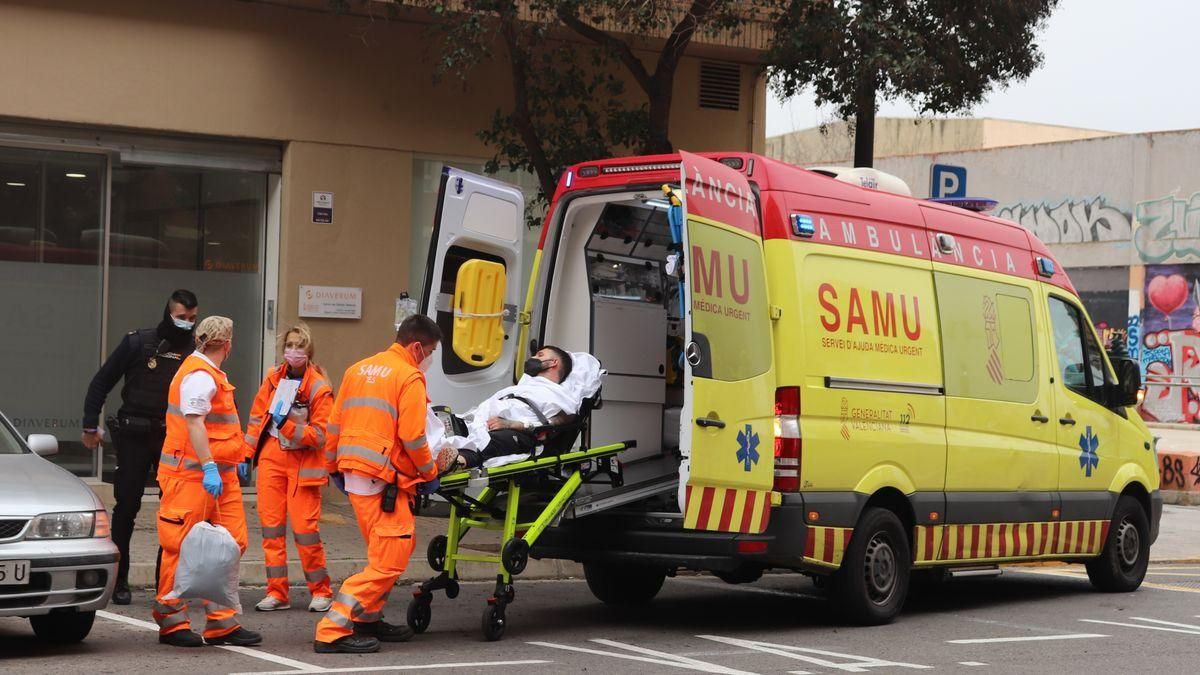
(727, 425)
(471, 287)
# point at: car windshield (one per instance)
(9, 443)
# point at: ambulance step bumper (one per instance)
(652, 542)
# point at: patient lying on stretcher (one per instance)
(500, 429)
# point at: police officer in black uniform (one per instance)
(147, 359)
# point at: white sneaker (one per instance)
(272, 604)
(320, 603)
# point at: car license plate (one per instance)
(14, 572)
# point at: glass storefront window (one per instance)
(51, 246)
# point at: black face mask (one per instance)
(534, 365)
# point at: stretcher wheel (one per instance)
(493, 622)
(451, 589)
(435, 554)
(420, 613)
(515, 555)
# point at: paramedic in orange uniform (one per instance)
(198, 470)
(291, 471)
(376, 453)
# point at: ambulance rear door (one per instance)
(471, 287)
(727, 424)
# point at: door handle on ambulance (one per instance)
(710, 422)
(1066, 421)
(1039, 418)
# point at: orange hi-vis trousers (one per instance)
(361, 598)
(281, 497)
(185, 503)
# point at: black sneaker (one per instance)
(350, 644)
(240, 637)
(181, 638)
(383, 631)
(121, 594)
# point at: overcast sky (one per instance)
(1117, 65)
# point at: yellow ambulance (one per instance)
(821, 375)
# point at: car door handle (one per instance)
(1041, 419)
(707, 422)
(1066, 421)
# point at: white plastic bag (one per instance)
(208, 567)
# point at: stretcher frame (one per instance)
(565, 472)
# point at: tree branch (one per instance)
(522, 120)
(619, 47)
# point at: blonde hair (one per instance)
(306, 339)
(213, 331)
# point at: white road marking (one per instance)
(660, 658)
(424, 666)
(1139, 625)
(244, 651)
(971, 663)
(1028, 638)
(1167, 623)
(856, 664)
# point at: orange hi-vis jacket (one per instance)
(378, 423)
(225, 441)
(306, 461)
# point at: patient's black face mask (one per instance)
(534, 365)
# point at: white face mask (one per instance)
(183, 324)
(425, 362)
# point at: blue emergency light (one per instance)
(976, 204)
(1045, 266)
(802, 225)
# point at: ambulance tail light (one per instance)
(788, 444)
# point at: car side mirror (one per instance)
(42, 444)
(1124, 392)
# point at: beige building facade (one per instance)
(148, 144)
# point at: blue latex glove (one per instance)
(279, 419)
(339, 481)
(429, 487)
(212, 480)
(244, 470)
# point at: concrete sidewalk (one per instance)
(1179, 540)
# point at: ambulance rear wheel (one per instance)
(872, 584)
(615, 584)
(1121, 566)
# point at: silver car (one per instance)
(57, 561)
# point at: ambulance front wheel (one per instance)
(872, 584)
(1121, 566)
(616, 584)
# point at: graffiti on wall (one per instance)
(1168, 227)
(1170, 344)
(1071, 221)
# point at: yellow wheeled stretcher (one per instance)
(547, 481)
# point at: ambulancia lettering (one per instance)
(712, 189)
(880, 321)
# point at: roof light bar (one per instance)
(633, 168)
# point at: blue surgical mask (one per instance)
(183, 324)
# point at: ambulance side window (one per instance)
(1080, 361)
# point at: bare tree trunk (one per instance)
(864, 121)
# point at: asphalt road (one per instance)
(1040, 619)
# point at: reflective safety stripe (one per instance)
(369, 402)
(250, 440)
(415, 443)
(221, 418)
(298, 433)
(276, 571)
(276, 532)
(316, 575)
(230, 622)
(173, 409)
(363, 452)
(334, 429)
(426, 467)
(172, 620)
(316, 386)
(320, 438)
(307, 538)
(350, 602)
(312, 473)
(167, 609)
(169, 460)
(369, 617)
(335, 616)
(255, 420)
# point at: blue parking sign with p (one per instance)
(946, 180)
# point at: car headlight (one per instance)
(73, 525)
